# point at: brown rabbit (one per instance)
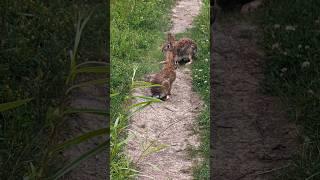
(185, 47)
(166, 76)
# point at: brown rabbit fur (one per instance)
(166, 76)
(185, 48)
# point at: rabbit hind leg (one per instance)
(166, 88)
(190, 59)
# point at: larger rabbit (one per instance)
(167, 75)
(186, 48)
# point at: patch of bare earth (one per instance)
(251, 136)
(95, 167)
(170, 124)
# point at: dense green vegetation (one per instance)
(201, 84)
(291, 41)
(36, 37)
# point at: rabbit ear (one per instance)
(171, 37)
(168, 36)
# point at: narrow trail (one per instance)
(251, 135)
(171, 123)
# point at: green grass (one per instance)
(291, 42)
(137, 32)
(201, 84)
(34, 61)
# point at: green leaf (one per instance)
(125, 141)
(86, 110)
(140, 104)
(73, 54)
(137, 109)
(143, 84)
(96, 69)
(77, 161)
(135, 68)
(149, 86)
(153, 149)
(147, 98)
(116, 122)
(88, 83)
(114, 94)
(80, 139)
(12, 105)
(149, 101)
(92, 62)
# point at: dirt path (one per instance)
(95, 167)
(250, 132)
(171, 123)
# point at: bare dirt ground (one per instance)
(95, 167)
(251, 135)
(171, 123)
(183, 14)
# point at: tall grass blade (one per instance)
(130, 114)
(73, 54)
(147, 98)
(135, 68)
(80, 27)
(80, 139)
(97, 69)
(14, 104)
(77, 161)
(114, 94)
(91, 63)
(147, 86)
(88, 83)
(140, 104)
(143, 84)
(86, 110)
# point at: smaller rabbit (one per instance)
(166, 76)
(186, 49)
